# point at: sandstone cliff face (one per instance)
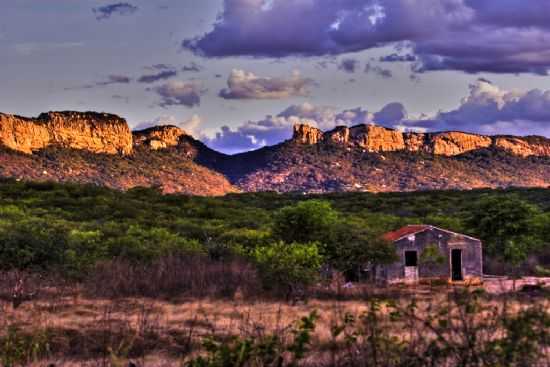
(158, 137)
(374, 138)
(455, 143)
(306, 134)
(95, 132)
(523, 148)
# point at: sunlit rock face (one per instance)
(159, 137)
(455, 143)
(524, 147)
(306, 134)
(373, 138)
(94, 132)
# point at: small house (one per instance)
(428, 252)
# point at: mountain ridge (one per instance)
(100, 148)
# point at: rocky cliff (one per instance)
(159, 137)
(90, 131)
(372, 138)
(64, 147)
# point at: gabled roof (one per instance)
(414, 229)
(405, 231)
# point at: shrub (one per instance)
(269, 350)
(20, 349)
(288, 268)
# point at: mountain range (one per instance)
(100, 148)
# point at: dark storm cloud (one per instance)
(398, 58)
(162, 75)
(507, 36)
(180, 93)
(105, 12)
(246, 85)
(349, 65)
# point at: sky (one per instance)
(237, 74)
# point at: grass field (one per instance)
(67, 327)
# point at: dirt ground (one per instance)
(499, 285)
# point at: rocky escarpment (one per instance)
(159, 137)
(88, 147)
(372, 138)
(90, 131)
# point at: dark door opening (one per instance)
(456, 265)
(411, 258)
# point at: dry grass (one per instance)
(155, 332)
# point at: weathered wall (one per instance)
(472, 258)
(95, 132)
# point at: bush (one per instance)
(20, 349)
(269, 350)
(288, 268)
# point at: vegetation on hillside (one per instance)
(70, 228)
(144, 274)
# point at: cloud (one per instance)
(349, 65)
(247, 85)
(489, 109)
(472, 36)
(115, 79)
(180, 93)
(162, 75)
(160, 67)
(192, 67)
(390, 114)
(398, 58)
(384, 73)
(191, 126)
(111, 79)
(105, 12)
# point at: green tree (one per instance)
(307, 221)
(496, 220)
(350, 247)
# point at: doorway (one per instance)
(411, 266)
(456, 265)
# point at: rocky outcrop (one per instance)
(455, 143)
(159, 137)
(374, 138)
(306, 134)
(378, 139)
(94, 132)
(523, 147)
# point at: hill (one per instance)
(99, 148)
